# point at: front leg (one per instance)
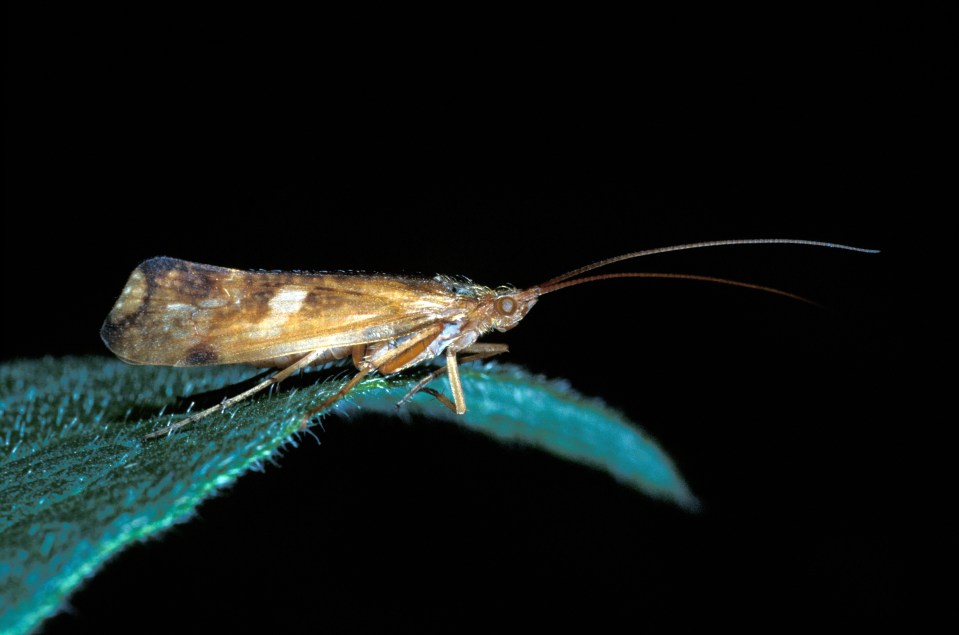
(458, 405)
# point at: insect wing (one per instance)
(178, 313)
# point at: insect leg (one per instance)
(459, 399)
(389, 361)
(304, 361)
(329, 401)
(480, 350)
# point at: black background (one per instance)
(508, 149)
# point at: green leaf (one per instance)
(77, 482)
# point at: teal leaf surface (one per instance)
(77, 482)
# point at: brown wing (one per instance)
(178, 313)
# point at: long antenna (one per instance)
(673, 276)
(545, 287)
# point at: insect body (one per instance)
(177, 313)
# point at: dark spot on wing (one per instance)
(201, 355)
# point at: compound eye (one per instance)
(506, 305)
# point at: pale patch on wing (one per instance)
(283, 306)
(132, 297)
(288, 300)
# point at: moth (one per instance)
(177, 313)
